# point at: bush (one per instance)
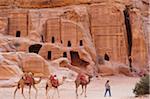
(142, 87)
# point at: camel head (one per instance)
(37, 81)
(89, 78)
(61, 81)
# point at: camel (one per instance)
(23, 82)
(82, 80)
(54, 83)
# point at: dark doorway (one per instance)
(61, 41)
(65, 54)
(53, 39)
(18, 33)
(35, 48)
(81, 43)
(106, 57)
(49, 56)
(76, 61)
(69, 44)
(42, 38)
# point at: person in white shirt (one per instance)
(107, 87)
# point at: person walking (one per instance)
(107, 88)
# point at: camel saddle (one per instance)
(82, 78)
(54, 81)
(28, 80)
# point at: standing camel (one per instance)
(82, 80)
(53, 82)
(28, 81)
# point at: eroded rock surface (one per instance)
(79, 30)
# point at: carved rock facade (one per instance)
(81, 32)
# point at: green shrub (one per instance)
(142, 87)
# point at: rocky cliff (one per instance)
(86, 32)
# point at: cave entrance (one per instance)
(18, 33)
(129, 32)
(76, 61)
(106, 57)
(49, 56)
(65, 54)
(35, 48)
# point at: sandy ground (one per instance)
(121, 88)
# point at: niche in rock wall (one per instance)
(18, 33)
(65, 54)
(53, 39)
(49, 55)
(42, 38)
(76, 61)
(81, 43)
(35, 48)
(69, 44)
(106, 57)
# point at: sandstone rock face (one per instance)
(35, 64)
(79, 30)
(106, 71)
(109, 69)
(9, 68)
(14, 64)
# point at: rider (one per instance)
(28, 77)
(54, 81)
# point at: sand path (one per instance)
(121, 88)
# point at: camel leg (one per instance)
(47, 90)
(58, 93)
(22, 92)
(53, 94)
(82, 89)
(15, 92)
(77, 89)
(85, 90)
(29, 92)
(76, 92)
(36, 91)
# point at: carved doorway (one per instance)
(35, 48)
(65, 54)
(76, 61)
(69, 44)
(18, 33)
(49, 56)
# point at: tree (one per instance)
(142, 87)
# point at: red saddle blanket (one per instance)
(28, 80)
(82, 78)
(54, 81)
